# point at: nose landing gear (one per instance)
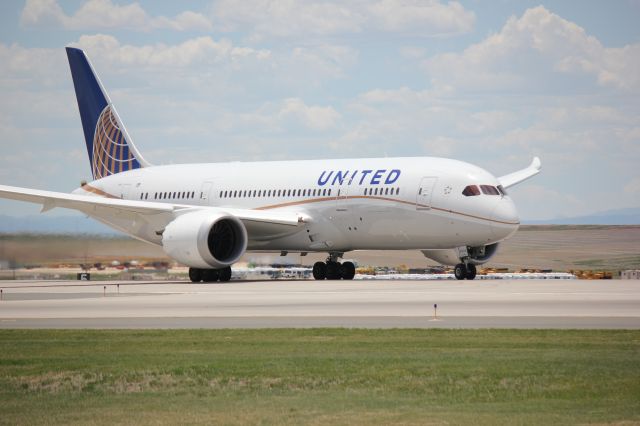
(462, 271)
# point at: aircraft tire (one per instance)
(348, 271)
(319, 270)
(333, 271)
(195, 275)
(460, 271)
(471, 271)
(210, 275)
(224, 274)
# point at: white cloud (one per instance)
(324, 60)
(300, 67)
(222, 64)
(102, 14)
(572, 134)
(314, 117)
(191, 52)
(421, 17)
(42, 12)
(290, 18)
(177, 82)
(440, 146)
(281, 117)
(20, 66)
(402, 95)
(284, 18)
(184, 21)
(633, 187)
(486, 122)
(539, 51)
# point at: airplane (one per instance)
(206, 216)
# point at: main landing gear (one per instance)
(209, 275)
(334, 270)
(462, 271)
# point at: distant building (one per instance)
(631, 274)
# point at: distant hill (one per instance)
(610, 217)
(72, 224)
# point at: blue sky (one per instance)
(492, 83)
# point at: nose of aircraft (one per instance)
(505, 218)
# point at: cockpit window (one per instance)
(489, 190)
(502, 190)
(471, 191)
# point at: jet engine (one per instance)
(474, 255)
(205, 240)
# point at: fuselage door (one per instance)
(205, 190)
(425, 193)
(124, 190)
(342, 198)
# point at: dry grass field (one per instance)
(545, 247)
(573, 247)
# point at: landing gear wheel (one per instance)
(210, 275)
(333, 270)
(224, 274)
(195, 275)
(348, 270)
(460, 271)
(471, 271)
(319, 270)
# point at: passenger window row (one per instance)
(177, 195)
(381, 191)
(265, 193)
(473, 190)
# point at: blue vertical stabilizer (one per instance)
(109, 147)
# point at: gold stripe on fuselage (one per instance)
(97, 191)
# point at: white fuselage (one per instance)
(354, 204)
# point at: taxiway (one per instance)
(369, 304)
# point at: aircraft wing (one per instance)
(521, 175)
(50, 200)
(260, 224)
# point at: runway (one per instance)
(604, 304)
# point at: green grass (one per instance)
(321, 376)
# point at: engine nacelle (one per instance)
(475, 255)
(205, 240)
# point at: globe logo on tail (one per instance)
(111, 153)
